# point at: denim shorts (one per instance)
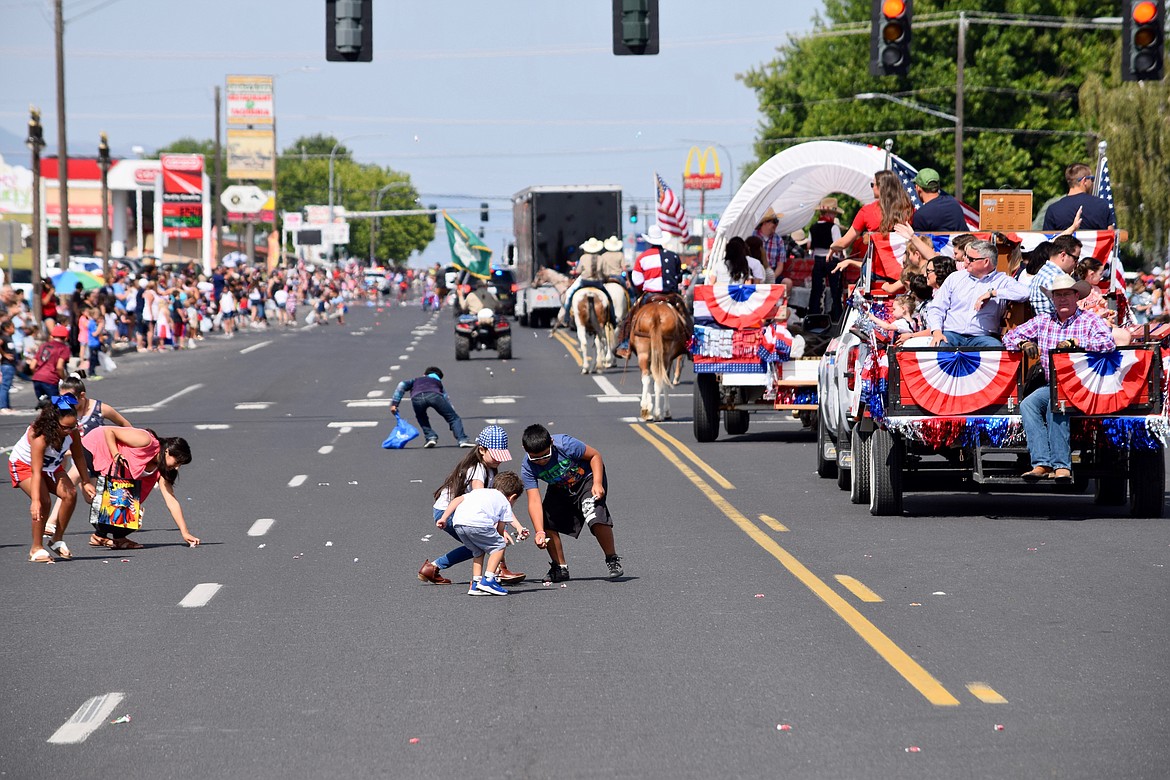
(480, 541)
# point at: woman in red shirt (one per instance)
(48, 304)
(891, 207)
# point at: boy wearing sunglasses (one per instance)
(576, 494)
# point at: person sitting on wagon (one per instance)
(1046, 429)
(967, 310)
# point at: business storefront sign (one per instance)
(251, 154)
(182, 195)
(250, 101)
(15, 189)
(702, 178)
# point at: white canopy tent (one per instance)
(794, 181)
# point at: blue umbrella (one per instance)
(67, 280)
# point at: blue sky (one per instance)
(475, 100)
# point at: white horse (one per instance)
(590, 312)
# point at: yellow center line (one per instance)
(985, 693)
(895, 656)
(857, 588)
(569, 345)
(773, 523)
(693, 458)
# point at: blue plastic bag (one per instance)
(403, 432)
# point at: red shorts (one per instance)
(20, 471)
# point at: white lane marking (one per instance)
(212, 427)
(606, 385)
(298, 480)
(344, 429)
(499, 421)
(395, 368)
(164, 401)
(200, 594)
(253, 405)
(383, 379)
(138, 409)
(254, 347)
(326, 449)
(410, 349)
(359, 403)
(375, 394)
(355, 424)
(404, 357)
(309, 327)
(86, 720)
(617, 399)
(500, 399)
(261, 526)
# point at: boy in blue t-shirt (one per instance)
(577, 487)
(478, 518)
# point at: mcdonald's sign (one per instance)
(702, 180)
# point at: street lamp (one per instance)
(955, 120)
(36, 142)
(104, 164)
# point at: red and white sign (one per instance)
(249, 100)
(182, 195)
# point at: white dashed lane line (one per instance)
(253, 405)
(200, 594)
(355, 424)
(261, 526)
(325, 450)
(375, 394)
(298, 480)
(254, 347)
(87, 719)
(606, 385)
(212, 427)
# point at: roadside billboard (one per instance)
(251, 154)
(182, 195)
(250, 101)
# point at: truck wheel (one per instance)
(462, 348)
(523, 318)
(706, 416)
(859, 474)
(885, 472)
(736, 422)
(1147, 483)
(504, 347)
(826, 469)
(1110, 490)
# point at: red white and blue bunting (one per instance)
(1099, 383)
(958, 382)
(738, 305)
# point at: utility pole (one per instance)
(64, 240)
(960, 61)
(36, 141)
(217, 185)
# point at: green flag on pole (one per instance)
(468, 252)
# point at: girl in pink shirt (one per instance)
(148, 459)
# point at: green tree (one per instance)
(1017, 77)
(190, 145)
(1132, 116)
(303, 179)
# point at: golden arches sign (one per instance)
(703, 180)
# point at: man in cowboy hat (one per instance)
(1066, 326)
(657, 270)
(822, 234)
(773, 244)
(586, 268)
(939, 212)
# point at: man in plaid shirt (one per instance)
(774, 254)
(1068, 326)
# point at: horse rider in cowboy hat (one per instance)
(594, 270)
(586, 268)
(822, 234)
(656, 271)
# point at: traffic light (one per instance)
(889, 40)
(635, 27)
(483, 212)
(633, 215)
(433, 217)
(349, 30)
(1142, 40)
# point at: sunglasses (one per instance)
(1088, 178)
(538, 458)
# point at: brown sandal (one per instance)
(126, 544)
(99, 541)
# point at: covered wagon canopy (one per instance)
(794, 181)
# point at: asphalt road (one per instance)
(317, 652)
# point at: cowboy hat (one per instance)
(829, 204)
(592, 246)
(800, 237)
(655, 236)
(1066, 282)
(613, 244)
(769, 215)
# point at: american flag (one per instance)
(1104, 189)
(906, 175)
(672, 217)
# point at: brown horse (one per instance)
(658, 334)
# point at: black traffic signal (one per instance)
(483, 212)
(635, 27)
(633, 215)
(349, 30)
(1142, 40)
(889, 40)
(433, 217)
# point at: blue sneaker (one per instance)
(491, 586)
(474, 589)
